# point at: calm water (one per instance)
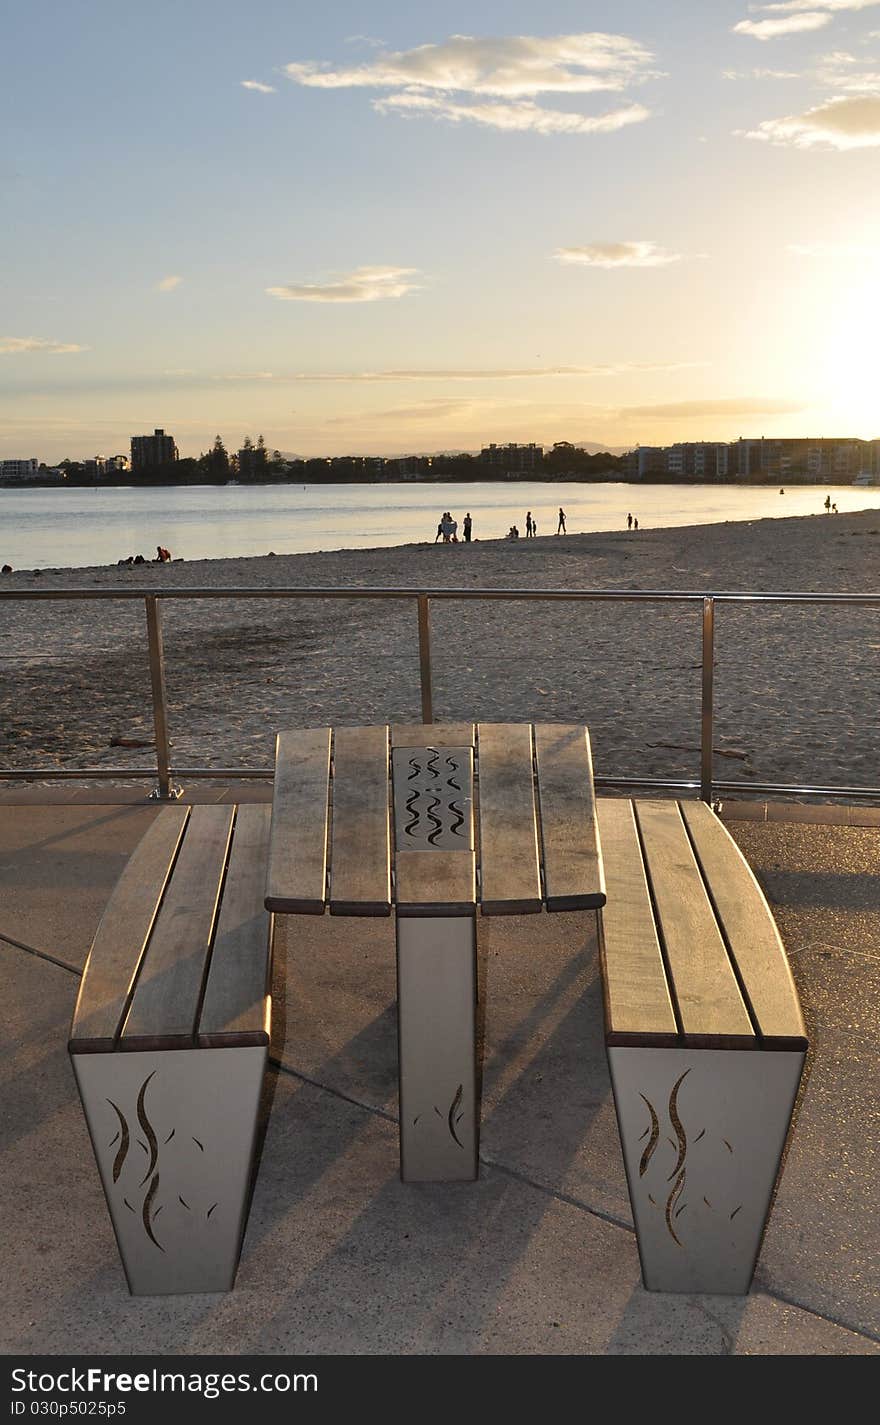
(42, 529)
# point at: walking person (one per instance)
(560, 528)
(439, 534)
(466, 527)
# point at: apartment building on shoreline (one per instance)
(822, 460)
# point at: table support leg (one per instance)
(436, 992)
(703, 1132)
(173, 1133)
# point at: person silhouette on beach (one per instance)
(528, 524)
(635, 523)
(828, 504)
(629, 521)
(560, 528)
(466, 527)
(439, 534)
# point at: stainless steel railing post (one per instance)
(425, 658)
(706, 703)
(165, 790)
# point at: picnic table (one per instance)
(436, 825)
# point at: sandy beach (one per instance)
(797, 688)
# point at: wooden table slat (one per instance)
(573, 878)
(749, 927)
(638, 1005)
(435, 882)
(236, 1007)
(121, 938)
(166, 997)
(432, 734)
(510, 876)
(296, 881)
(710, 1007)
(360, 860)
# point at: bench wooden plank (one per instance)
(710, 1007)
(749, 929)
(121, 938)
(638, 1005)
(296, 881)
(435, 882)
(510, 875)
(432, 734)
(360, 859)
(573, 878)
(166, 997)
(236, 1006)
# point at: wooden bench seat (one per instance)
(705, 1039)
(169, 1043)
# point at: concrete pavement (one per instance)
(539, 1255)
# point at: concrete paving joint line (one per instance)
(577, 1203)
(41, 954)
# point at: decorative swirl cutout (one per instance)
(677, 1190)
(148, 1202)
(452, 1120)
(677, 1125)
(435, 820)
(122, 1151)
(652, 1141)
(147, 1126)
(416, 766)
(432, 762)
(459, 822)
(412, 809)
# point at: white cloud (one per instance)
(797, 6)
(759, 74)
(432, 79)
(839, 123)
(19, 345)
(517, 117)
(259, 88)
(789, 25)
(168, 284)
(440, 408)
(497, 374)
(513, 66)
(617, 254)
(364, 284)
(704, 410)
(834, 250)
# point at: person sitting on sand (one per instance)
(513, 532)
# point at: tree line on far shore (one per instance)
(255, 464)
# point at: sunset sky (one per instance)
(397, 227)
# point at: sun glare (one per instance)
(847, 364)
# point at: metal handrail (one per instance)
(707, 785)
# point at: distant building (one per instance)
(823, 461)
(646, 461)
(512, 459)
(150, 451)
(104, 467)
(19, 469)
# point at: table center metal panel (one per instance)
(433, 792)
